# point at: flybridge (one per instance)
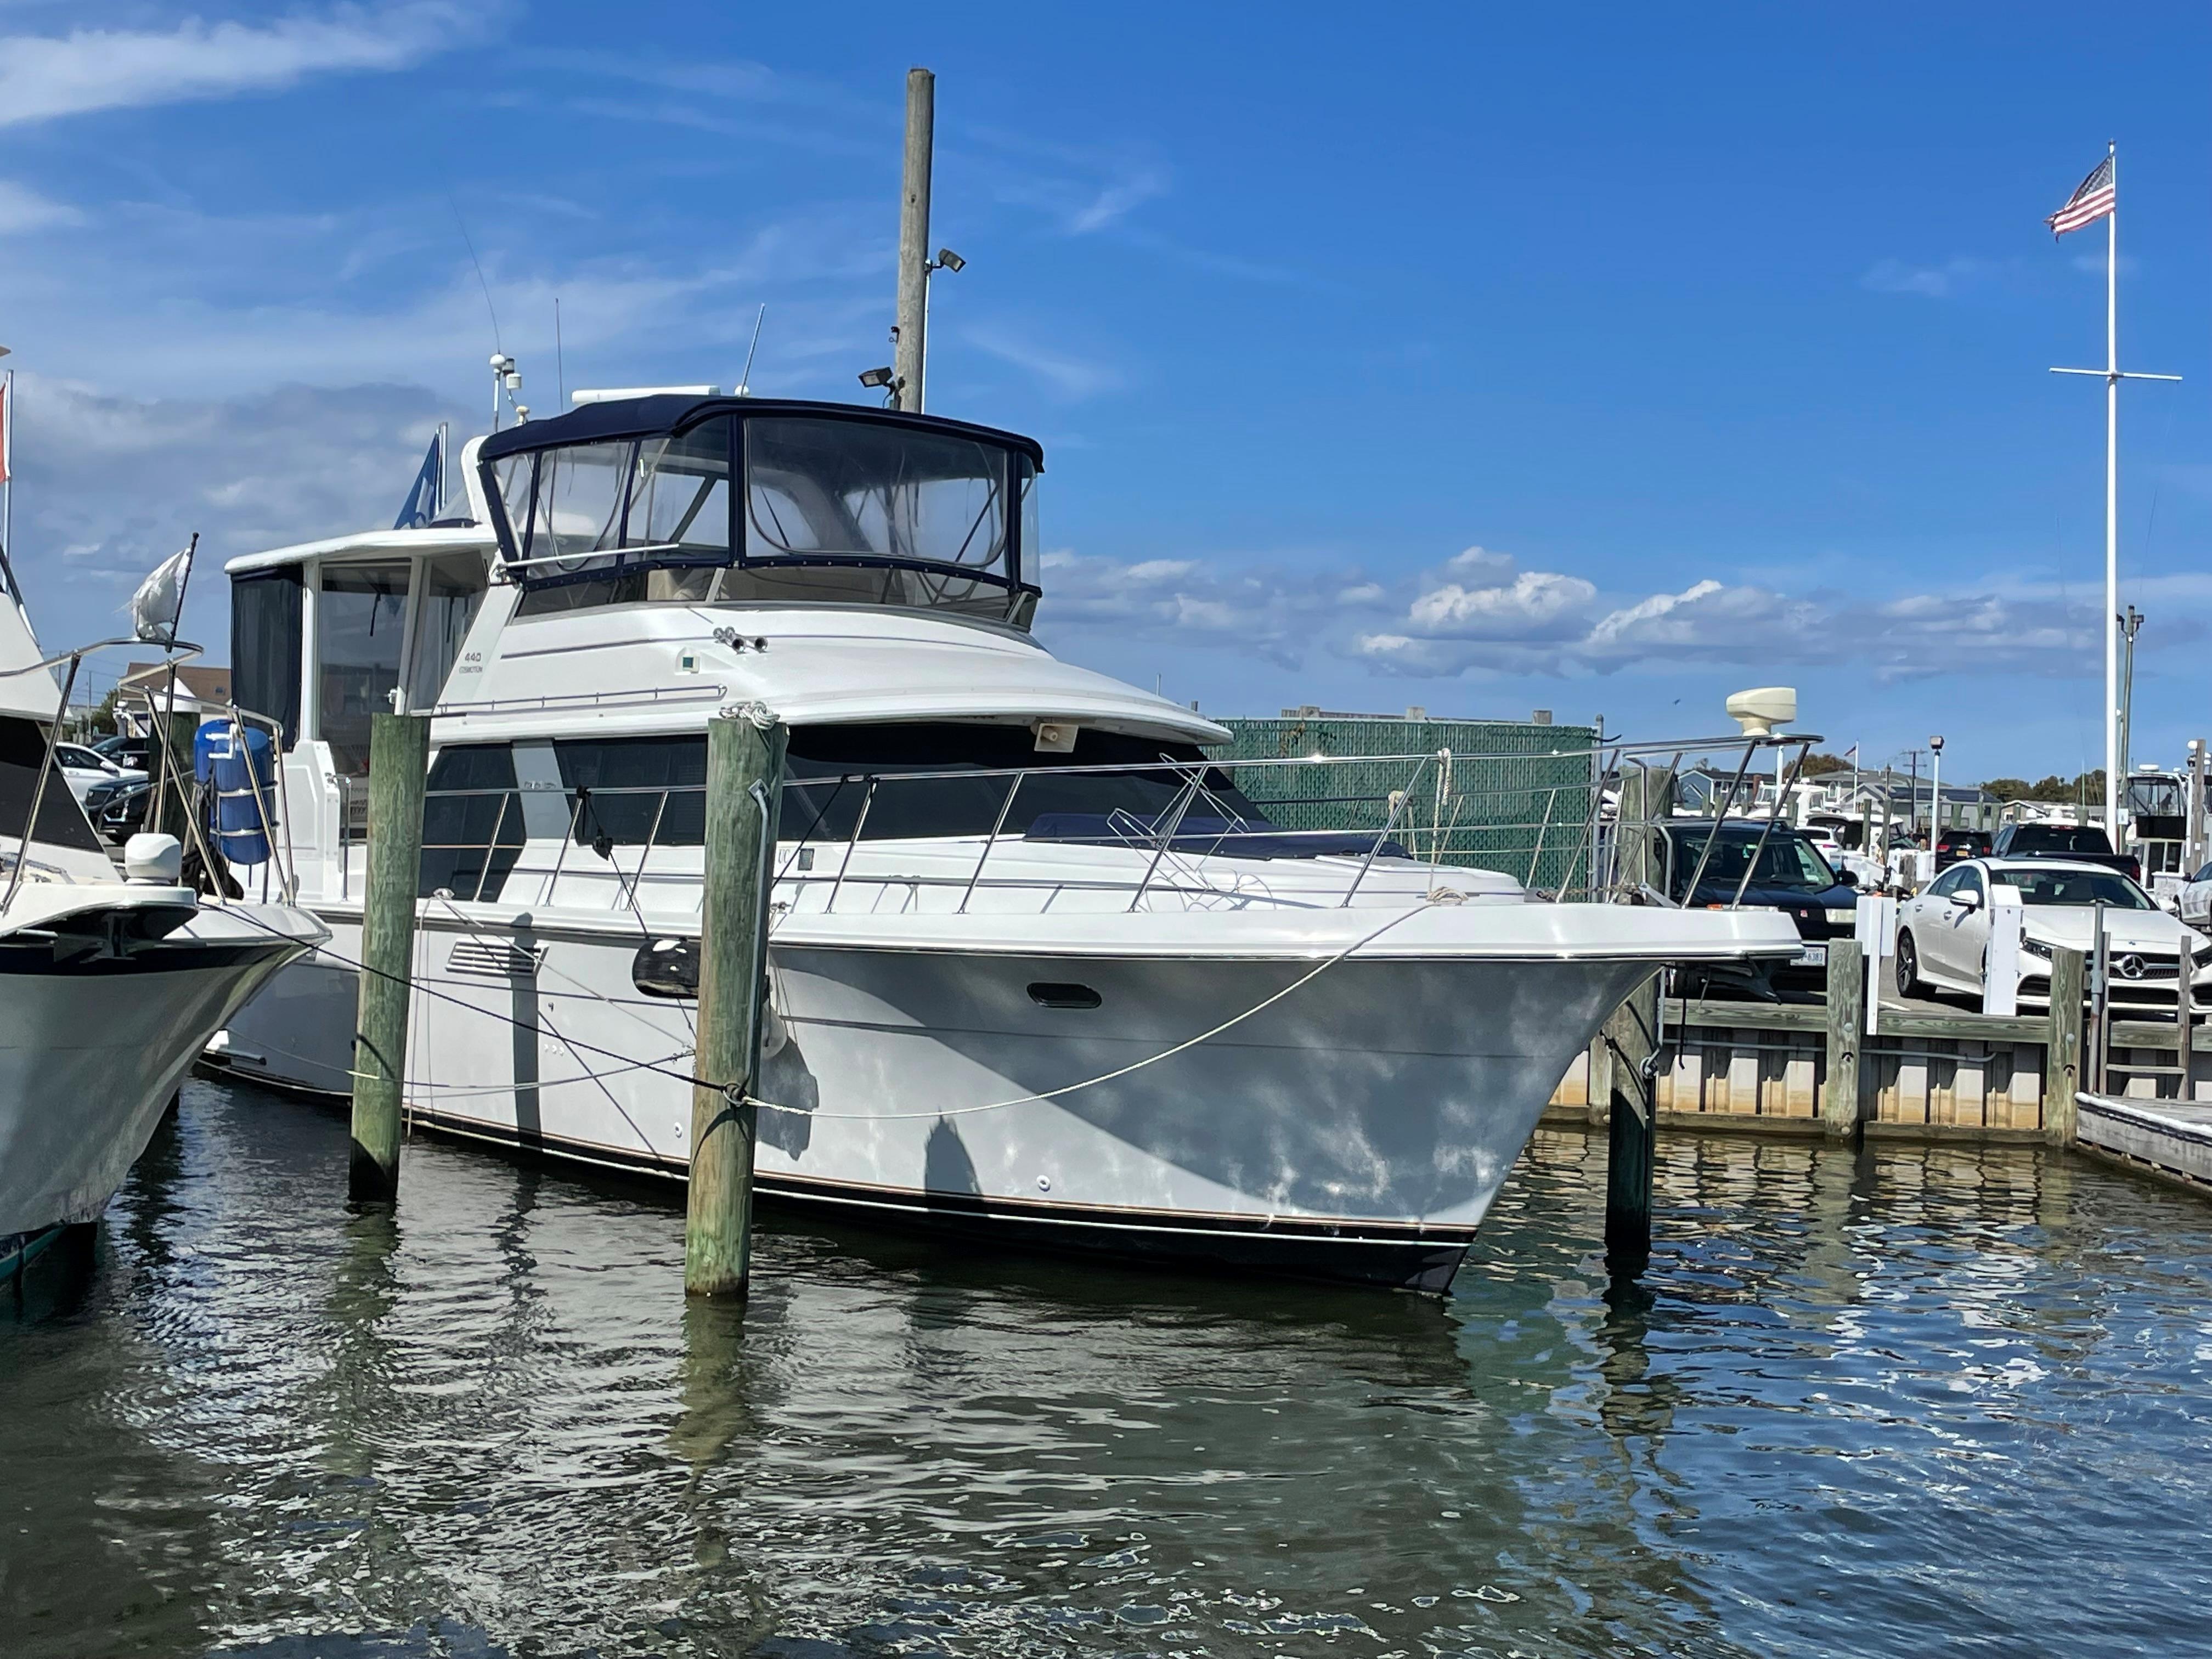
(744, 500)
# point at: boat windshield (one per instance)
(839, 506)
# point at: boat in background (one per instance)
(111, 983)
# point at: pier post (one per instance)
(398, 754)
(2062, 1054)
(1631, 1031)
(1847, 1021)
(745, 777)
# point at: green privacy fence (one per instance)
(1508, 795)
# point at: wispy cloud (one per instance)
(1939, 282)
(22, 208)
(46, 76)
(1058, 371)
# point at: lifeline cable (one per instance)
(733, 1092)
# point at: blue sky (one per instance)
(1485, 359)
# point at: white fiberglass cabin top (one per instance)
(1039, 969)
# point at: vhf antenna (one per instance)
(746, 380)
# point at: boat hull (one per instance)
(1356, 1127)
(92, 1051)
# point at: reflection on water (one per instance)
(1872, 1403)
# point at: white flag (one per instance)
(155, 608)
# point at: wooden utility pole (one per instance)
(745, 778)
(1847, 994)
(398, 754)
(910, 358)
(2062, 1054)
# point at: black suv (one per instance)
(1790, 876)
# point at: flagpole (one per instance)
(2105, 183)
(8, 490)
(2112, 505)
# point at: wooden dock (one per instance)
(2169, 1137)
(2138, 1090)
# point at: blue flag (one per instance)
(426, 501)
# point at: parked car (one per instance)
(1789, 876)
(2194, 905)
(83, 767)
(2083, 843)
(1955, 844)
(119, 811)
(126, 751)
(1943, 933)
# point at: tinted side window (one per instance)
(1947, 884)
(265, 614)
(630, 791)
(472, 830)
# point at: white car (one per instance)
(2196, 901)
(81, 768)
(1943, 931)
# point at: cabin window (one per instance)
(453, 587)
(265, 612)
(680, 499)
(630, 791)
(845, 487)
(472, 824)
(633, 791)
(361, 619)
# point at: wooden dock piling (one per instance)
(398, 756)
(1847, 993)
(2062, 1053)
(744, 776)
(1631, 1034)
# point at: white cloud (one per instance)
(1929, 282)
(22, 208)
(43, 78)
(1478, 614)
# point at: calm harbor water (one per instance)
(1908, 1401)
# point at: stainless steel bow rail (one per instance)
(1561, 835)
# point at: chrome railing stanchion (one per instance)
(991, 841)
(491, 849)
(859, 823)
(1181, 806)
(1388, 824)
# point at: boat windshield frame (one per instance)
(890, 454)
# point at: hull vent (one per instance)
(492, 959)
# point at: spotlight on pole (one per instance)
(875, 379)
(948, 260)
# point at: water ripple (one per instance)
(1877, 1403)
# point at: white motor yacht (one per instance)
(111, 984)
(1038, 969)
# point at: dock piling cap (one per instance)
(1760, 710)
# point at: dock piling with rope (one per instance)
(398, 753)
(745, 777)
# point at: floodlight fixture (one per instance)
(948, 260)
(875, 379)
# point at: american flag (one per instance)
(2092, 202)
